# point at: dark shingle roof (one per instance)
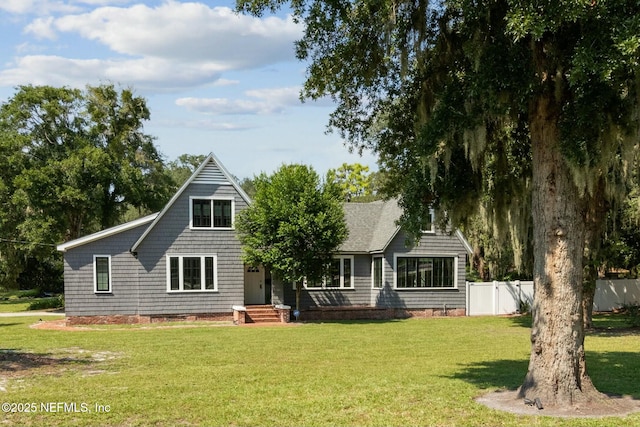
(371, 225)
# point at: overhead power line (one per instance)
(24, 242)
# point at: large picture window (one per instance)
(211, 213)
(102, 273)
(191, 273)
(425, 272)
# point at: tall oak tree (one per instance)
(73, 162)
(474, 104)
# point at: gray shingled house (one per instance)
(185, 262)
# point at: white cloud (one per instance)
(44, 7)
(223, 106)
(41, 28)
(190, 32)
(282, 96)
(172, 45)
(269, 101)
(226, 82)
(148, 73)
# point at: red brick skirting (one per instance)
(118, 319)
(374, 313)
(311, 314)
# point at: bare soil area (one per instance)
(17, 365)
(508, 401)
(61, 325)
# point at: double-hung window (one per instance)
(428, 223)
(211, 213)
(425, 272)
(376, 272)
(191, 273)
(102, 273)
(340, 275)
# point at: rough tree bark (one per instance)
(557, 371)
(596, 211)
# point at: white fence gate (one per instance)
(611, 294)
(493, 298)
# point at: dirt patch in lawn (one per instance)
(57, 325)
(508, 401)
(16, 365)
(61, 325)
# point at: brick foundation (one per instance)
(285, 313)
(120, 319)
(374, 313)
(238, 317)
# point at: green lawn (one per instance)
(397, 373)
(18, 300)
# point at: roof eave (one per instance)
(464, 241)
(106, 233)
(175, 197)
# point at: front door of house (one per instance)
(254, 286)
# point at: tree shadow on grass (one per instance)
(13, 361)
(352, 321)
(499, 374)
(606, 325)
(613, 373)
(522, 320)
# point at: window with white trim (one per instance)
(102, 273)
(208, 213)
(429, 223)
(425, 272)
(377, 272)
(340, 275)
(187, 273)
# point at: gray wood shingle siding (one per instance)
(80, 297)
(139, 252)
(363, 294)
(139, 279)
(373, 233)
(431, 244)
(359, 295)
(172, 235)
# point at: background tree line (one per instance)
(73, 162)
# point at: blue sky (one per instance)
(213, 80)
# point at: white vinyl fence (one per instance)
(612, 294)
(494, 298)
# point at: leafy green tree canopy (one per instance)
(355, 180)
(527, 108)
(184, 166)
(294, 224)
(73, 162)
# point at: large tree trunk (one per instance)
(589, 293)
(557, 371)
(596, 212)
